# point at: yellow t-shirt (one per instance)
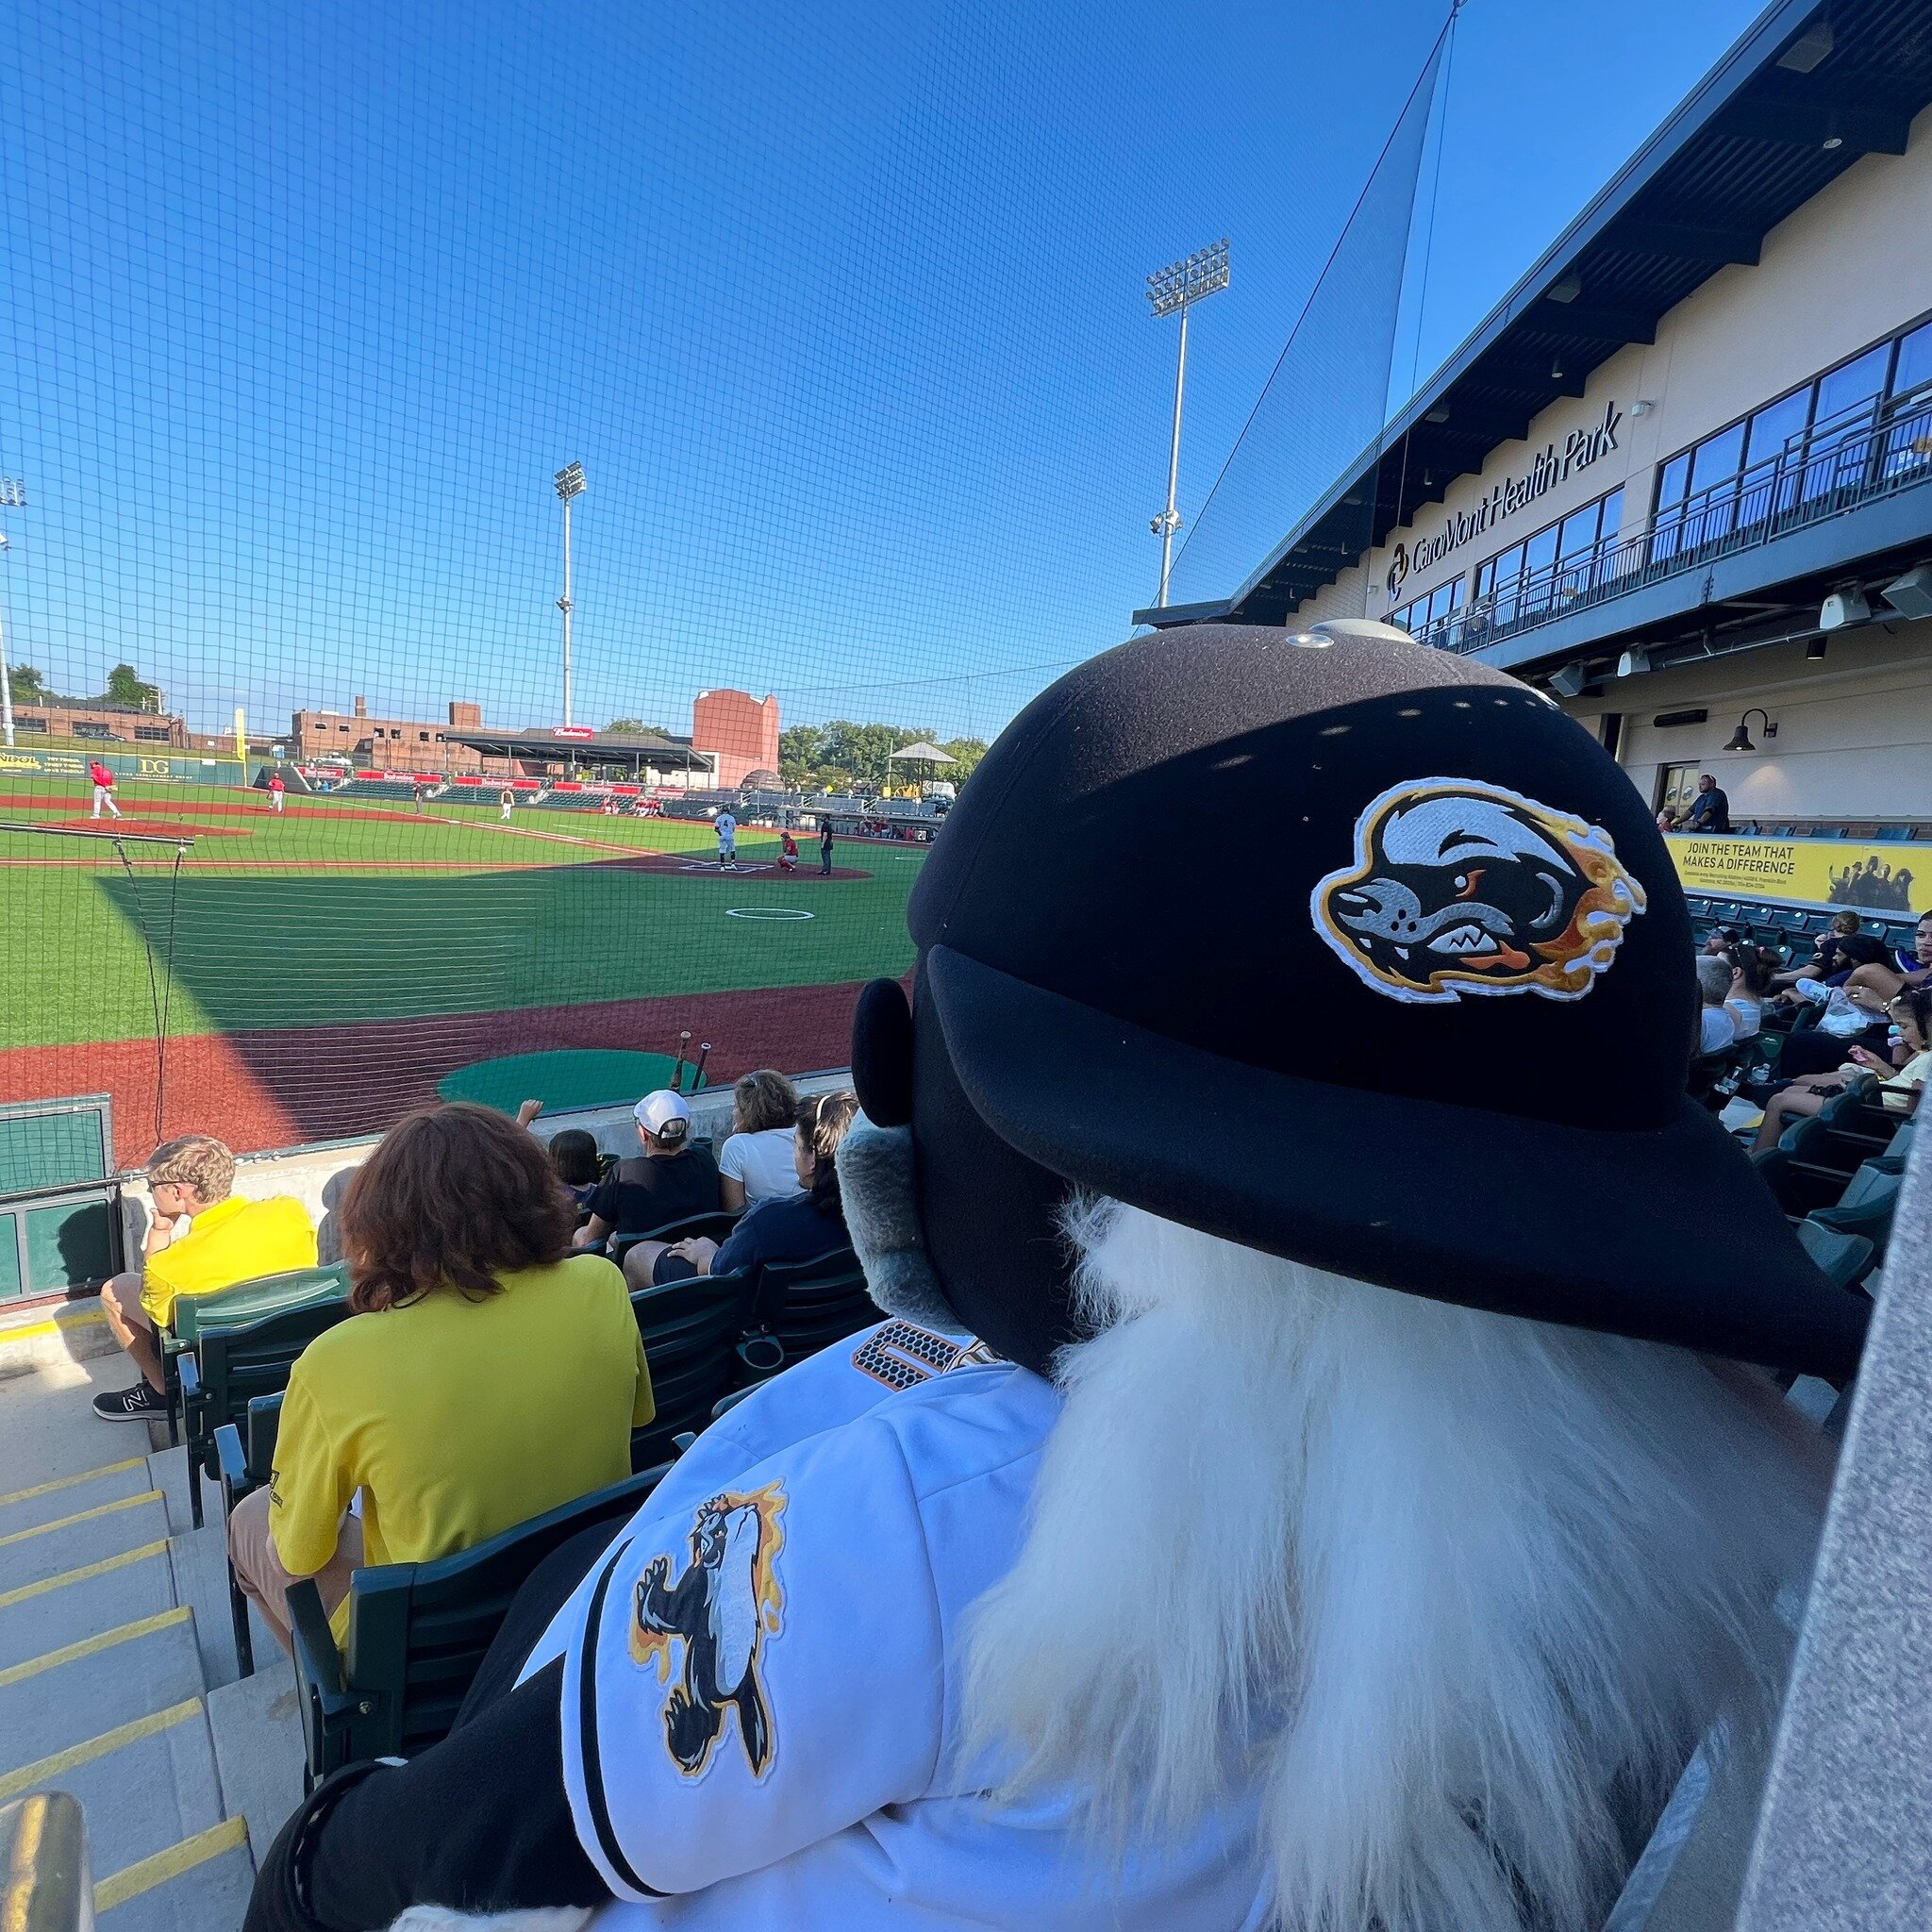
(233, 1240)
(458, 1418)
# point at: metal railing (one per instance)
(1872, 451)
(44, 1875)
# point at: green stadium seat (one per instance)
(714, 1226)
(247, 1461)
(807, 1306)
(418, 1633)
(1865, 1208)
(692, 1332)
(243, 1342)
(1846, 1259)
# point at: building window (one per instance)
(84, 730)
(1677, 786)
(1544, 571)
(28, 724)
(1430, 620)
(422, 737)
(151, 734)
(1873, 411)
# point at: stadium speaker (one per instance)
(1568, 679)
(1911, 594)
(1843, 609)
(1633, 662)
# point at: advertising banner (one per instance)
(1893, 878)
(179, 768)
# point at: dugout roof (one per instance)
(602, 748)
(1741, 152)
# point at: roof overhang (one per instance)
(665, 753)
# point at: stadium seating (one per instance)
(807, 1306)
(1847, 1258)
(236, 1307)
(245, 1461)
(713, 1226)
(419, 1631)
(1788, 928)
(697, 1343)
(398, 789)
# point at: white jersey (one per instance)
(762, 1163)
(762, 1679)
(726, 828)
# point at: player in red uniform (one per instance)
(788, 854)
(103, 777)
(277, 789)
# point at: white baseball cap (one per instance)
(655, 1112)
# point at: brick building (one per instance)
(399, 744)
(741, 731)
(99, 724)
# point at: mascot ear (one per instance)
(882, 1054)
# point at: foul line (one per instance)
(91, 1646)
(158, 1867)
(61, 1762)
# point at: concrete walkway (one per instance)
(117, 1666)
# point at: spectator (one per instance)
(1750, 976)
(1871, 986)
(1711, 810)
(203, 1236)
(574, 1154)
(670, 1180)
(487, 1374)
(1665, 823)
(796, 1227)
(755, 1162)
(1721, 941)
(1827, 959)
(1717, 1031)
(1902, 1071)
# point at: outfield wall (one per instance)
(180, 768)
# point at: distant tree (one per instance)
(126, 687)
(633, 727)
(29, 686)
(847, 757)
(966, 754)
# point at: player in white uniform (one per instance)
(506, 800)
(1300, 1564)
(726, 828)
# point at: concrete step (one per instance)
(80, 1690)
(256, 1727)
(144, 1786)
(48, 1426)
(54, 1612)
(63, 1495)
(199, 1885)
(87, 1536)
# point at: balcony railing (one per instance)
(1869, 452)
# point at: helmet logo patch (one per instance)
(1461, 887)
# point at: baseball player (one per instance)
(103, 776)
(726, 828)
(505, 799)
(277, 791)
(1380, 1512)
(788, 853)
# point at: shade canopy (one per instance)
(922, 754)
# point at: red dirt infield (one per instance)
(283, 1087)
(195, 808)
(144, 828)
(694, 865)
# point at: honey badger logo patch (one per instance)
(1462, 887)
(720, 1610)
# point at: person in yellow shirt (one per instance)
(201, 1236)
(486, 1376)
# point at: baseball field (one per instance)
(290, 978)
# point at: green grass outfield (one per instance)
(324, 917)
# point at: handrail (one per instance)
(1871, 450)
(44, 1886)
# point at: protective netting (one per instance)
(840, 313)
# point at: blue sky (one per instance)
(839, 305)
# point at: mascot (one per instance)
(1317, 1470)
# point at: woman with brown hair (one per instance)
(756, 1163)
(486, 1376)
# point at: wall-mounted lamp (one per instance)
(1643, 406)
(1634, 661)
(1741, 737)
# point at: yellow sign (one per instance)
(1895, 878)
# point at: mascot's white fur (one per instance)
(1455, 1592)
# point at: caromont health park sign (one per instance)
(1550, 466)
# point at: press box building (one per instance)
(1681, 477)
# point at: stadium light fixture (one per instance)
(1175, 289)
(570, 483)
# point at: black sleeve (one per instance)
(479, 1822)
(604, 1201)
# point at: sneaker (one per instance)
(140, 1404)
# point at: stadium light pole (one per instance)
(1180, 285)
(570, 483)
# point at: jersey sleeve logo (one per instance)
(1463, 888)
(718, 1614)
